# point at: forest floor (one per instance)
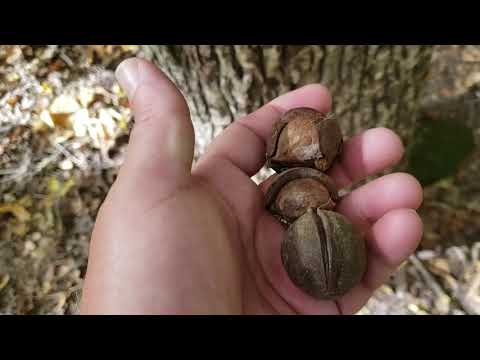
(64, 124)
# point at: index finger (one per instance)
(243, 143)
(372, 151)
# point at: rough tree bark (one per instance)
(372, 85)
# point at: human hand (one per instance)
(170, 239)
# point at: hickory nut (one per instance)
(304, 137)
(323, 254)
(296, 190)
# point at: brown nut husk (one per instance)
(323, 254)
(296, 190)
(304, 137)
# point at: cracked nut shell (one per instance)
(323, 254)
(304, 137)
(296, 190)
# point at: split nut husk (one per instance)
(296, 190)
(323, 254)
(304, 137)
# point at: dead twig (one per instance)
(79, 162)
(45, 162)
(66, 59)
(469, 296)
(18, 172)
(442, 301)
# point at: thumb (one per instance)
(162, 140)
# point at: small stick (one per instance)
(443, 302)
(80, 163)
(65, 58)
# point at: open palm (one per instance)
(172, 239)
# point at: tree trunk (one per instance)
(371, 85)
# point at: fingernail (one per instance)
(127, 75)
